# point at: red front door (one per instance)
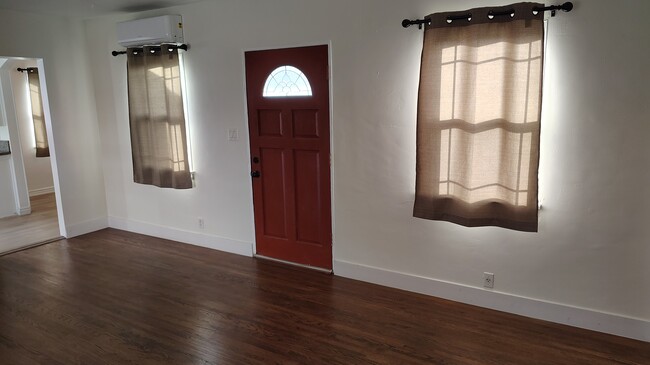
(288, 120)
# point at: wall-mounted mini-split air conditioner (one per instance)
(150, 31)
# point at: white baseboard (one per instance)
(92, 225)
(41, 191)
(615, 324)
(192, 238)
(25, 210)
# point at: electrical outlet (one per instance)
(201, 223)
(488, 280)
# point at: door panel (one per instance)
(273, 192)
(305, 123)
(308, 206)
(270, 123)
(289, 140)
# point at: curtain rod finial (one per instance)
(567, 6)
(406, 23)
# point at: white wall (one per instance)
(592, 247)
(37, 170)
(4, 130)
(7, 195)
(14, 171)
(74, 141)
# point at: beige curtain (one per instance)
(479, 108)
(158, 137)
(38, 118)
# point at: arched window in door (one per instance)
(286, 81)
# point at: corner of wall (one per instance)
(88, 226)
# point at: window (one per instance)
(479, 118)
(286, 81)
(157, 118)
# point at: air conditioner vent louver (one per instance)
(150, 31)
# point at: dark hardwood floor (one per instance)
(113, 297)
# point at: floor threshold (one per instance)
(315, 268)
(41, 243)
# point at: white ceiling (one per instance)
(87, 8)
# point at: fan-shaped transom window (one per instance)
(286, 81)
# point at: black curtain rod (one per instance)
(28, 69)
(182, 46)
(567, 6)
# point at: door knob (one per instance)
(255, 173)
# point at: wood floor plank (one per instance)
(24, 230)
(114, 297)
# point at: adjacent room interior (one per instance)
(28, 210)
(291, 181)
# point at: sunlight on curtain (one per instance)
(478, 120)
(157, 119)
(38, 117)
